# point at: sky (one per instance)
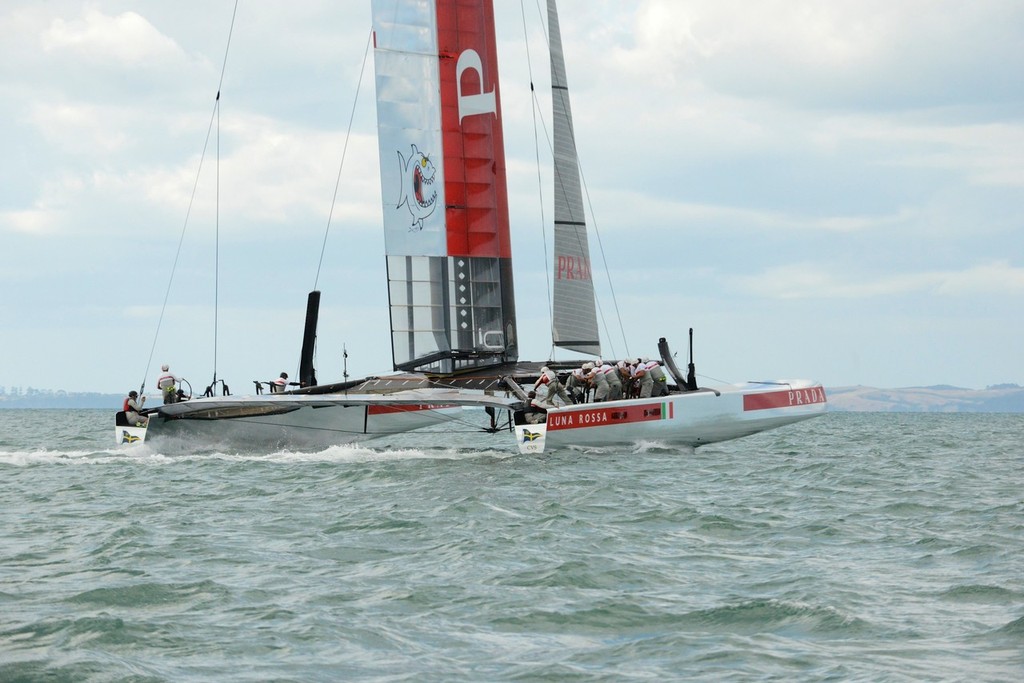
(829, 190)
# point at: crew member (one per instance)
(611, 373)
(628, 383)
(576, 384)
(535, 413)
(549, 380)
(601, 387)
(656, 372)
(168, 385)
(133, 409)
(643, 378)
(280, 385)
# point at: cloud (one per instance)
(666, 214)
(270, 173)
(806, 281)
(30, 221)
(127, 38)
(79, 127)
(861, 53)
(987, 154)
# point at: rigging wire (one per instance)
(604, 260)
(214, 116)
(216, 253)
(337, 182)
(540, 181)
(344, 151)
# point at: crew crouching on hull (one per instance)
(602, 389)
(654, 369)
(536, 412)
(549, 380)
(611, 376)
(133, 409)
(625, 373)
(643, 379)
(577, 385)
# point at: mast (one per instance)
(445, 202)
(575, 318)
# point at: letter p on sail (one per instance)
(481, 103)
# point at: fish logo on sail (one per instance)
(418, 192)
(128, 438)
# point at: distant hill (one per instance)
(1001, 398)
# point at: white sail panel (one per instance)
(409, 127)
(575, 317)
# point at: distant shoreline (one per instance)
(1001, 398)
(61, 400)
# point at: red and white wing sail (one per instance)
(445, 201)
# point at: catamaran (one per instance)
(447, 238)
(450, 276)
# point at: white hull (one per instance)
(691, 419)
(303, 429)
(299, 422)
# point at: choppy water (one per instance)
(873, 547)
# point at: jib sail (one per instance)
(575, 320)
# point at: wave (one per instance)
(141, 595)
(147, 455)
(995, 595)
(786, 619)
(779, 617)
(1014, 628)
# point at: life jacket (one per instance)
(125, 408)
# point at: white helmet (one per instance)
(588, 366)
(645, 359)
(545, 369)
(165, 367)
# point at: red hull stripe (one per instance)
(386, 410)
(789, 398)
(603, 417)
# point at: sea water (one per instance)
(872, 547)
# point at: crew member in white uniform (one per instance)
(549, 380)
(625, 377)
(280, 385)
(643, 378)
(601, 387)
(168, 385)
(577, 385)
(656, 372)
(611, 374)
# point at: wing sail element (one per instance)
(445, 201)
